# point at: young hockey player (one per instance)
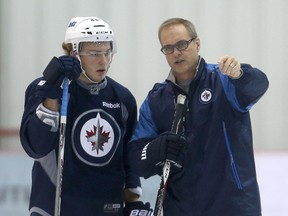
(218, 174)
(97, 179)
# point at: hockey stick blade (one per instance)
(176, 125)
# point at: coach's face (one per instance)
(183, 62)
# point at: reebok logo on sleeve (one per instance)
(41, 82)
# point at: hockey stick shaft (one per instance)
(176, 125)
(60, 165)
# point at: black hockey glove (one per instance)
(54, 73)
(168, 146)
(72, 67)
(137, 208)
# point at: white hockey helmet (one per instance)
(89, 29)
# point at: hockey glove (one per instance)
(168, 146)
(55, 72)
(72, 67)
(137, 208)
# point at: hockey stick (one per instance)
(61, 147)
(177, 123)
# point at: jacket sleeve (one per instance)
(132, 181)
(36, 137)
(244, 92)
(145, 132)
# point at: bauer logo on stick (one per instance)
(137, 212)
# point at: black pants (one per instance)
(35, 214)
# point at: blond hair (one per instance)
(68, 48)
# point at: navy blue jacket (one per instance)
(95, 171)
(218, 175)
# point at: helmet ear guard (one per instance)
(89, 29)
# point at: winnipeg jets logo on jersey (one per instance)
(95, 137)
(206, 96)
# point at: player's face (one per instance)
(183, 62)
(95, 59)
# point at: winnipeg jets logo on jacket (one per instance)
(206, 96)
(95, 137)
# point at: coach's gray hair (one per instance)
(174, 21)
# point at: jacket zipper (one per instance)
(232, 163)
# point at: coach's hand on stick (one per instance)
(168, 146)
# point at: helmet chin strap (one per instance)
(84, 72)
(86, 75)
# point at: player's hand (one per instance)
(137, 208)
(54, 74)
(72, 67)
(230, 66)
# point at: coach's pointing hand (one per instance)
(230, 66)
